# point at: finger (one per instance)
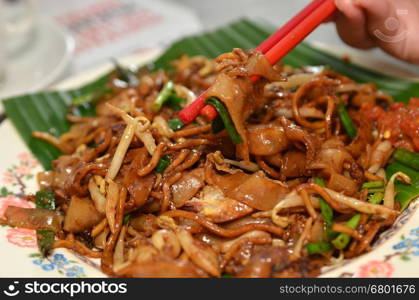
(351, 24)
(382, 17)
(393, 24)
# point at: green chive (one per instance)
(217, 125)
(45, 200)
(319, 181)
(408, 158)
(319, 247)
(163, 96)
(346, 120)
(376, 198)
(45, 239)
(376, 190)
(175, 102)
(327, 214)
(326, 211)
(406, 194)
(164, 162)
(373, 184)
(126, 219)
(343, 239)
(225, 117)
(175, 124)
(398, 167)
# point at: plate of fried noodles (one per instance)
(296, 177)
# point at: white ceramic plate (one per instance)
(395, 254)
(40, 66)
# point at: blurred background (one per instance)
(217, 12)
(47, 40)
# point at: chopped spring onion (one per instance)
(217, 125)
(126, 219)
(175, 124)
(346, 120)
(406, 194)
(164, 95)
(163, 164)
(408, 158)
(327, 214)
(225, 117)
(45, 239)
(326, 211)
(398, 167)
(373, 185)
(376, 198)
(317, 248)
(45, 200)
(343, 239)
(175, 102)
(319, 181)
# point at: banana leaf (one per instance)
(46, 111)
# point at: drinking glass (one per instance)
(17, 23)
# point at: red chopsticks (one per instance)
(274, 48)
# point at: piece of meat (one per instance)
(187, 186)
(81, 215)
(214, 206)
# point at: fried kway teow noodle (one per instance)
(287, 180)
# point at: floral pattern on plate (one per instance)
(59, 262)
(16, 179)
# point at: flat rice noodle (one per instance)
(293, 164)
(259, 65)
(246, 221)
(266, 139)
(340, 183)
(256, 190)
(81, 215)
(228, 182)
(187, 186)
(364, 136)
(332, 156)
(33, 218)
(234, 93)
(138, 187)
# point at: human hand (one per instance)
(392, 25)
